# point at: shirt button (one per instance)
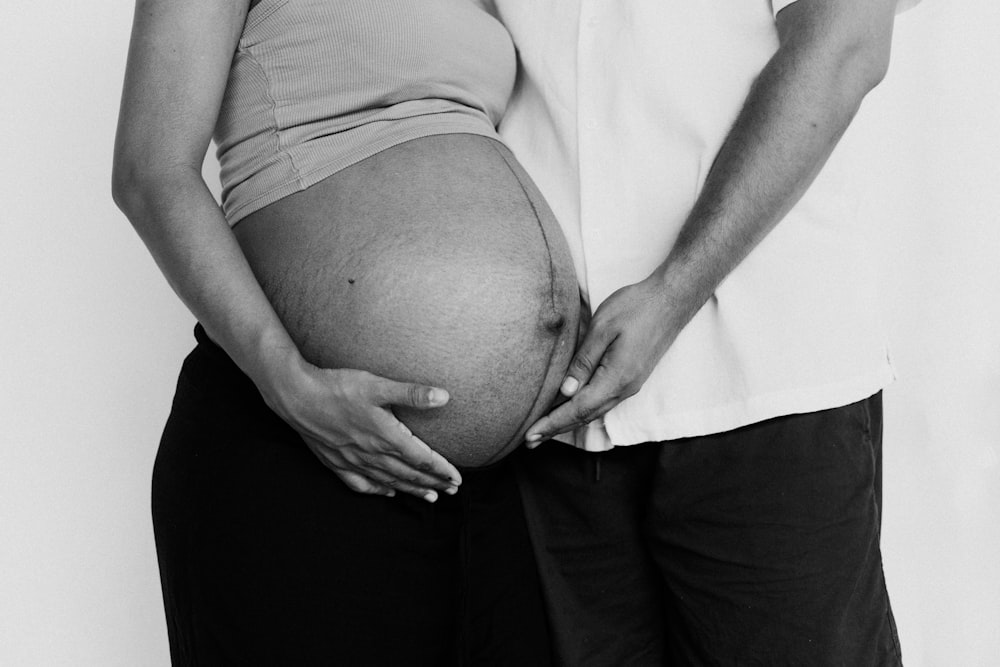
(591, 125)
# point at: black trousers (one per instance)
(759, 546)
(266, 558)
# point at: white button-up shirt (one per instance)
(619, 111)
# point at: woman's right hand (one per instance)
(344, 416)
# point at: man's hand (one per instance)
(831, 54)
(625, 339)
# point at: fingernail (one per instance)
(569, 386)
(390, 493)
(438, 397)
(534, 437)
(451, 490)
(431, 496)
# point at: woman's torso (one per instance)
(431, 259)
(317, 85)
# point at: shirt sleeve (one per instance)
(901, 5)
(778, 5)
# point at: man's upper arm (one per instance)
(852, 36)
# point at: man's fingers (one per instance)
(422, 397)
(582, 409)
(585, 361)
(562, 419)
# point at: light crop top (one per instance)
(317, 85)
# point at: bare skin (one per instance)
(831, 54)
(178, 64)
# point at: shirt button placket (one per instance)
(587, 128)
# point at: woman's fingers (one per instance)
(421, 397)
(350, 466)
(379, 470)
(399, 483)
(361, 484)
(398, 438)
(354, 481)
(394, 471)
(351, 427)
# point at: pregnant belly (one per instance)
(435, 261)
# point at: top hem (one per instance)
(301, 181)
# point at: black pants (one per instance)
(266, 558)
(759, 546)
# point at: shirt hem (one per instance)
(622, 433)
(304, 180)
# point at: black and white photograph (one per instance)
(500, 333)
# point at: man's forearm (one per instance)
(796, 112)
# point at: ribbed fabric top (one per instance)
(317, 85)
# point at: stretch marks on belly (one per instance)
(435, 261)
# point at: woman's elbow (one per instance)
(131, 176)
(125, 184)
(134, 183)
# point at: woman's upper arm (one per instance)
(178, 64)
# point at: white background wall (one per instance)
(92, 337)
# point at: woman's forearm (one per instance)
(342, 415)
(182, 226)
